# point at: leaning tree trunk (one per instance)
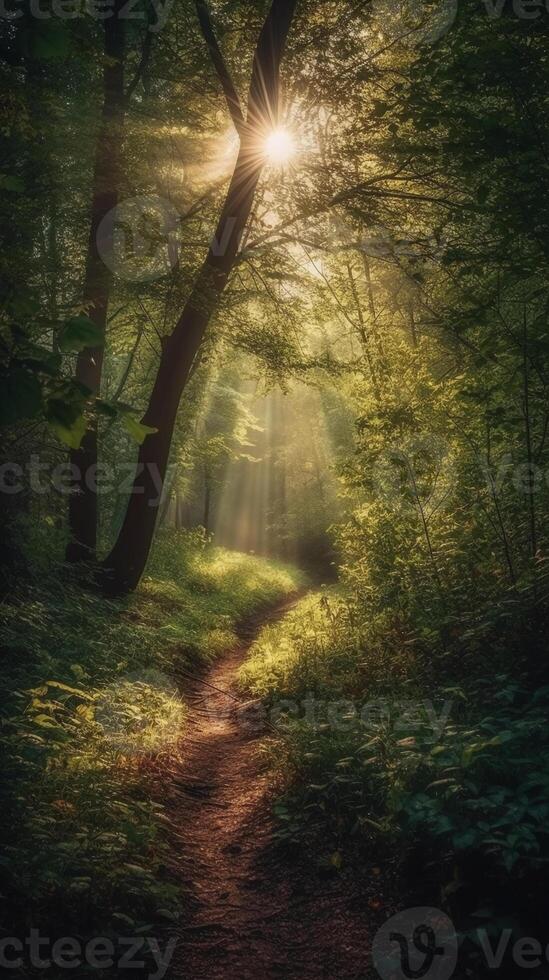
(83, 512)
(124, 566)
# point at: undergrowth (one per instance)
(90, 705)
(373, 752)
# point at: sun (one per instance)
(279, 146)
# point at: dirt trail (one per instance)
(253, 913)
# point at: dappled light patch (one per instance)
(140, 716)
(315, 648)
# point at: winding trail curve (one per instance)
(252, 913)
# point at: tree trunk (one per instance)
(83, 511)
(124, 566)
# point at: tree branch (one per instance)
(126, 372)
(227, 84)
(264, 93)
(142, 66)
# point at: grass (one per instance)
(324, 647)
(90, 705)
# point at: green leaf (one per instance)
(70, 690)
(168, 914)
(40, 359)
(45, 721)
(136, 429)
(67, 421)
(80, 332)
(136, 869)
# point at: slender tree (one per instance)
(83, 516)
(124, 565)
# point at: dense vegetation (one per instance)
(351, 374)
(377, 752)
(91, 708)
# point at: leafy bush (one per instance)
(451, 769)
(486, 785)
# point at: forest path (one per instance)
(253, 913)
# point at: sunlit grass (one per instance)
(140, 717)
(312, 649)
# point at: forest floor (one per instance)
(254, 909)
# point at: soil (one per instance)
(252, 909)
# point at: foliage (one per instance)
(388, 310)
(90, 706)
(375, 748)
